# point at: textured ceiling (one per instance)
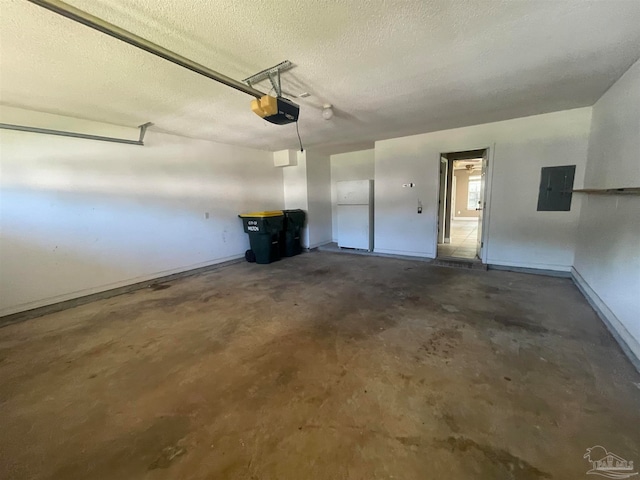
(390, 67)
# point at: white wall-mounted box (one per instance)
(285, 158)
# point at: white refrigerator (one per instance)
(355, 214)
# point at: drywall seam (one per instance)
(630, 345)
(124, 284)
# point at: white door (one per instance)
(482, 203)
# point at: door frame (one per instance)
(491, 149)
(442, 196)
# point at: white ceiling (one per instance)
(390, 68)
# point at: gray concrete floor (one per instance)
(321, 366)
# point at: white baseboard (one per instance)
(404, 253)
(533, 266)
(319, 244)
(627, 342)
(530, 271)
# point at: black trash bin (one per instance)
(264, 229)
(290, 242)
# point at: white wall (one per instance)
(295, 191)
(307, 186)
(346, 167)
(607, 263)
(614, 144)
(517, 235)
(81, 216)
(319, 198)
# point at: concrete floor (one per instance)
(321, 366)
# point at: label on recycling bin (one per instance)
(251, 226)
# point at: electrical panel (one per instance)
(556, 186)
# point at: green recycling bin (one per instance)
(290, 244)
(264, 230)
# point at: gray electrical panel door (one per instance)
(556, 185)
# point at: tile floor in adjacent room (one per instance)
(319, 367)
(464, 239)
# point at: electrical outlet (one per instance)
(206, 215)
(419, 209)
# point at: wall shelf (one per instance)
(609, 191)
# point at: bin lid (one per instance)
(272, 213)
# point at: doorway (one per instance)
(461, 204)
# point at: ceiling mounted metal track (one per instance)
(271, 73)
(86, 136)
(114, 31)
